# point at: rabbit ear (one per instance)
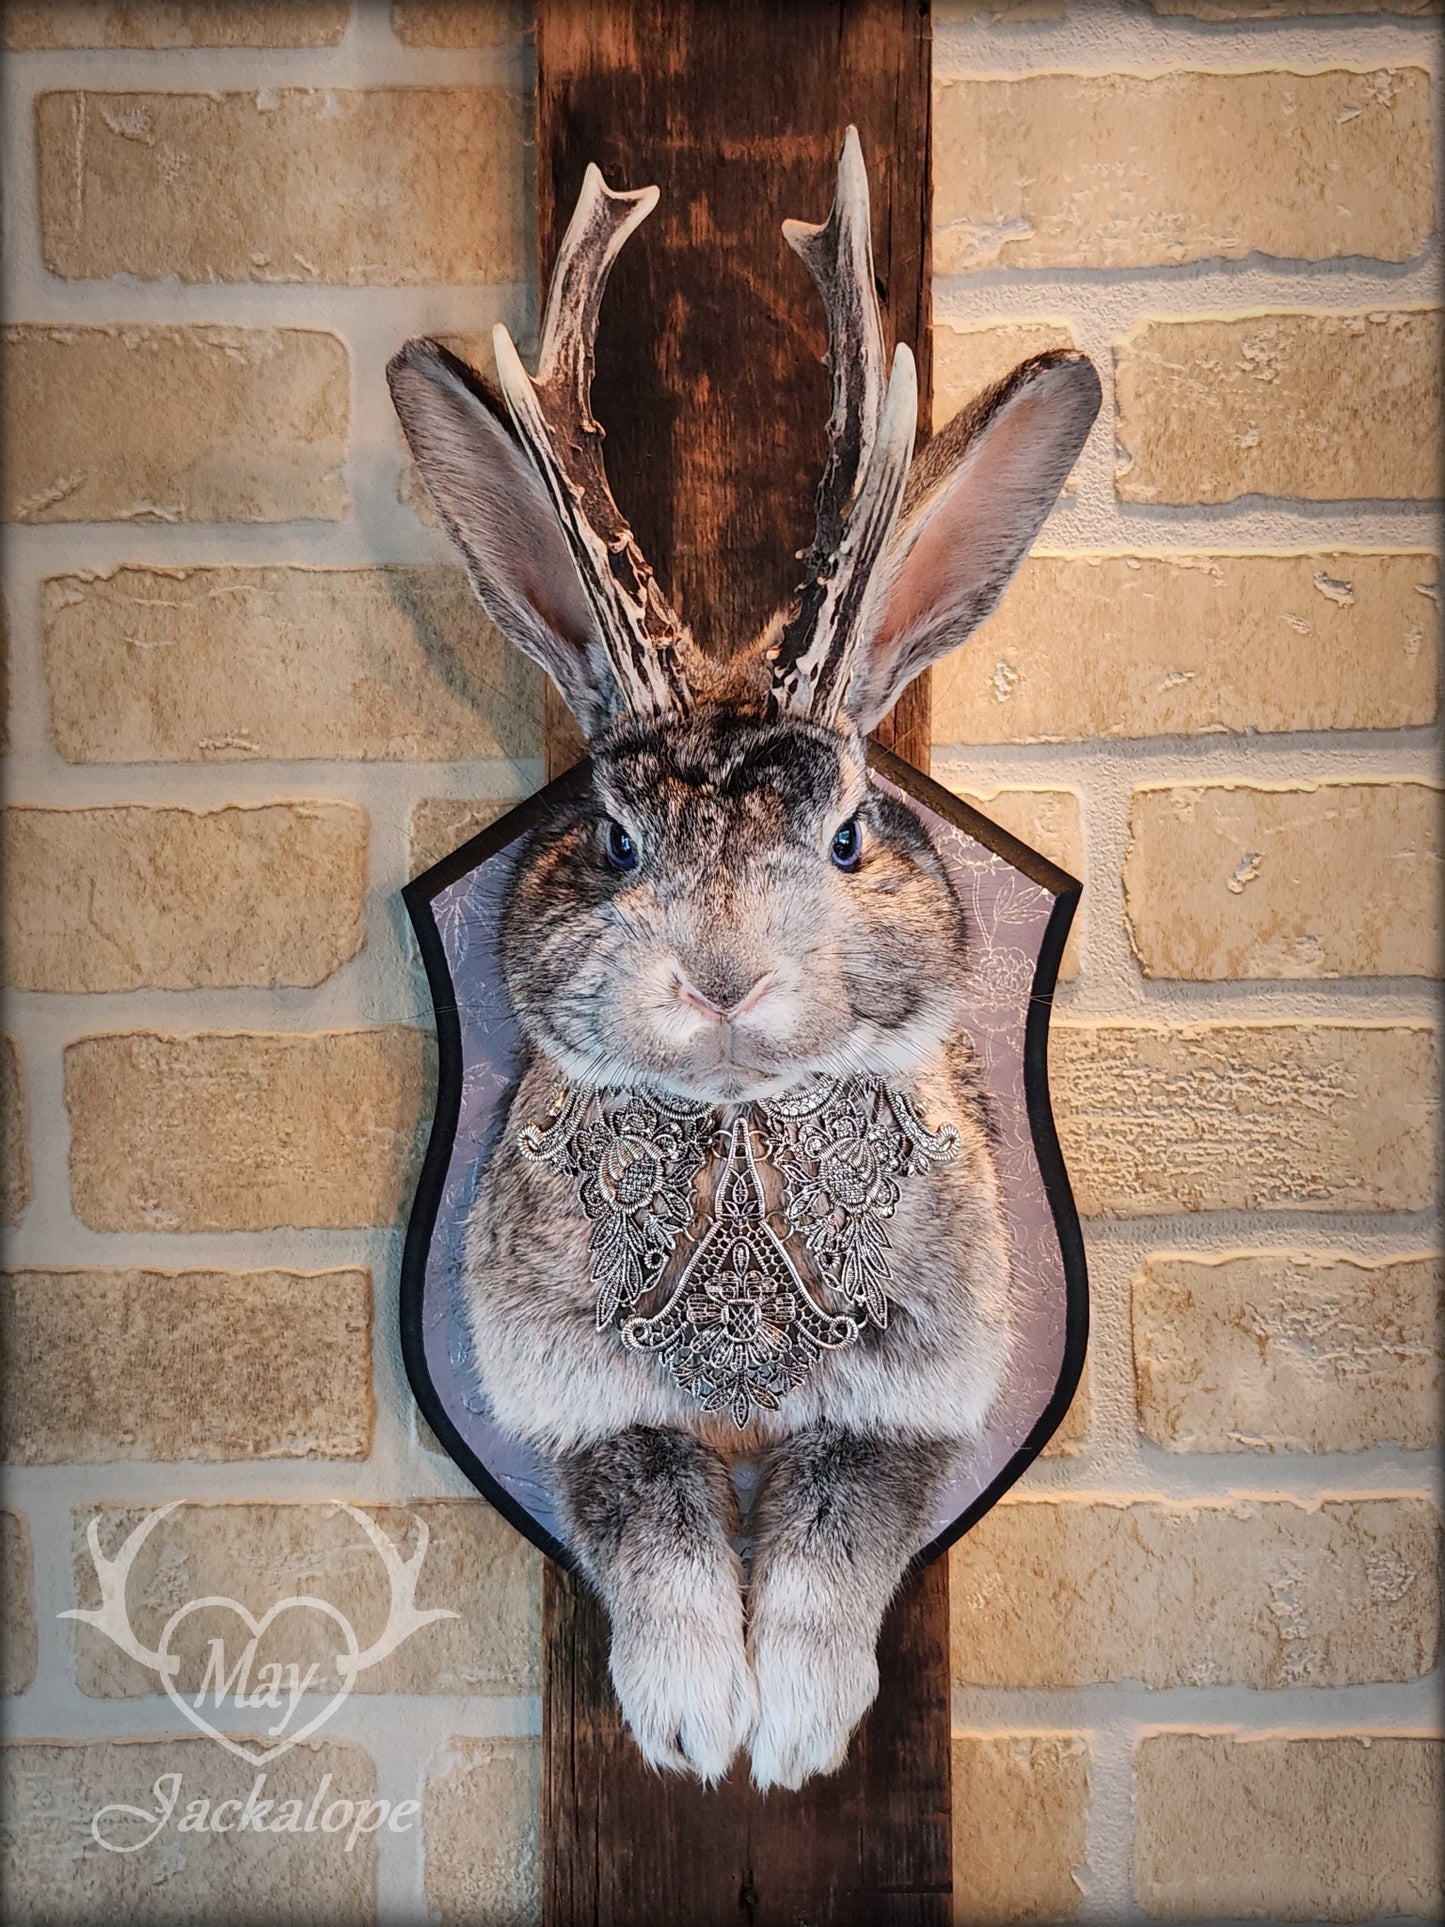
(497, 512)
(976, 499)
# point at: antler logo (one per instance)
(232, 1676)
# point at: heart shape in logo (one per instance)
(256, 1752)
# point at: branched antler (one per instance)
(645, 639)
(403, 1617)
(870, 443)
(111, 1616)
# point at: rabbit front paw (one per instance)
(685, 1689)
(815, 1682)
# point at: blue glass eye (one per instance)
(848, 845)
(621, 850)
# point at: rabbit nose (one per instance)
(689, 994)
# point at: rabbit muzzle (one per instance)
(731, 1032)
(729, 1014)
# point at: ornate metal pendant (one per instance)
(843, 1148)
(633, 1159)
(742, 1328)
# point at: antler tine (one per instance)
(870, 443)
(839, 256)
(644, 638)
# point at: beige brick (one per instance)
(475, 1566)
(244, 1131)
(111, 899)
(459, 23)
(1155, 645)
(361, 188)
(226, 665)
(15, 1186)
(1246, 1117)
(998, 13)
(1291, 9)
(1268, 1593)
(154, 424)
(1127, 170)
(1322, 407)
(17, 1602)
(28, 24)
(1047, 820)
(441, 824)
(4, 668)
(129, 1364)
(1343, 1826)
(1071, 1440)
(55, 1790)
(481, 1813)
(1288, 1351)
(969, 356)
(1020, 1812)
(1226, 880)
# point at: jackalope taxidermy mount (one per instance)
(743, 1203)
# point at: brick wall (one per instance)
(1196, 1657)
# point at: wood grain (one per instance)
(711, 387)
(710, 379)
(869, 1847)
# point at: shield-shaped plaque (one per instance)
(1017, 907)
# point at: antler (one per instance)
(870, 444)
(644, 638)
(111, 1616)
(402, 1616)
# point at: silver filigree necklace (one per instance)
(741, 1328)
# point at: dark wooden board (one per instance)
(870, 1847)
(711, 388)
(710, 381)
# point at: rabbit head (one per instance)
(728, 905)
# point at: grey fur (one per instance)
(839, 1512)
(734, 961)
(734, 813)
(648, 1511)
